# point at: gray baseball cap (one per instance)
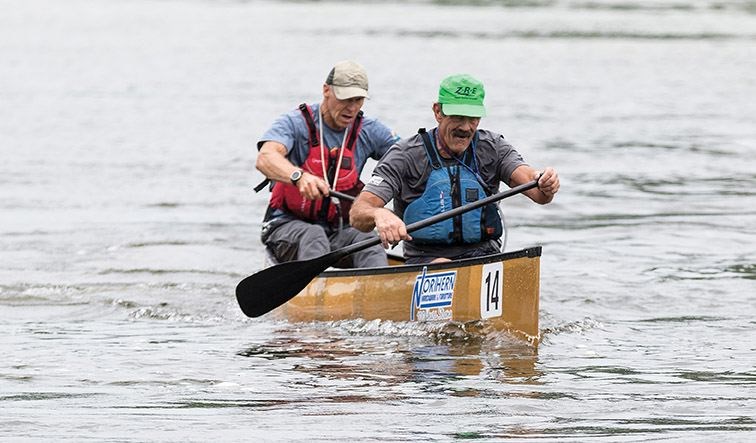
(348, 80)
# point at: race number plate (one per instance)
(492, 281)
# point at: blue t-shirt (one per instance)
(291, 130)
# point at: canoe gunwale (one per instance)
(533, 251)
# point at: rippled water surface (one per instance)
(127, 133)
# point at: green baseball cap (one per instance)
(462, 94)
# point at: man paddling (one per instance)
(311, 150)
(449, 166)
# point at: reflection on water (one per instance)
(408, 353)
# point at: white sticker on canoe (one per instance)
(432, 296)
(491, 283)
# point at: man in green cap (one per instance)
(449, 166)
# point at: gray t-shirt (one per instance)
(402, 173)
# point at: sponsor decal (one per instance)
(432, 296)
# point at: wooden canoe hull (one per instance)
(501, 291)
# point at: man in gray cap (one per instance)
(307, 153)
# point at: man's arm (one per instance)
(272, 162)
(368, 212)
(548, 185)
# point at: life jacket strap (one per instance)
(311, 128)
(354, 132)
(430, 149)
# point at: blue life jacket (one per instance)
(449, 187)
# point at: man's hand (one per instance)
(312, 187)
(391, 229)
(368, 213)
(549, 182)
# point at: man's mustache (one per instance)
(462, 133)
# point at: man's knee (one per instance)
(311, 233)
(299, 231)
(298, 240)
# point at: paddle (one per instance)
(341, 195)
(271, 287)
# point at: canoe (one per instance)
(500, 291)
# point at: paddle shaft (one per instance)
(443, 216)
(341, 195)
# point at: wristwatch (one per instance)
(295, 176)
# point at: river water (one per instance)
(127, 132)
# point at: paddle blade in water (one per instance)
(270, 288)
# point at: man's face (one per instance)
(456, 131)
(340, 113)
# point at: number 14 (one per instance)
(492, 280)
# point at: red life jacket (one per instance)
(286, 196)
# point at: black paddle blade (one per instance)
(270, 288)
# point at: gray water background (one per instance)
(127, 132)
